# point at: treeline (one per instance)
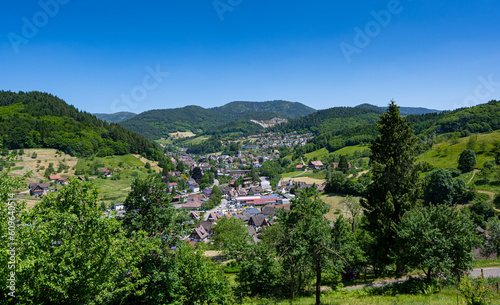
(41, 120)
(338, 127)
(232, 119)
(209, 146)
(331, 120)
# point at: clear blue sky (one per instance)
(434, 54)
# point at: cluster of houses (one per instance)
(41, 189)
(274, 140)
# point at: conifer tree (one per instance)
(394, 189)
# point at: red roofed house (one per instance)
(54, 178)
(315, 164)
(193, 204)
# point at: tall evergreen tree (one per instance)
(343, 164)
(394, 189)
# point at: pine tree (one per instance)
(343, 164)
(394, 189)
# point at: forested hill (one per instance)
(115, 117)
(41, 120)
(343, 126)
(403, 110)
(332, 120)
(289, 110)
(154, 124)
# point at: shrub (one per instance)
(475, 290)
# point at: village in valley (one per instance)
(243, 193)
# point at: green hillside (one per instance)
(232, 119)
(284, 109)
(154, 124)
(115, 117)
(403, 110)
(41, 120)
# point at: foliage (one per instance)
(467, 161)
(261, 271)
(492, 244)
(483, 209)
(395, 181)
(148, 209)
(353, 206)
(231, 235)
(216, 195)
(212, 145)
(337, 182)
(343, 164)
(71, 254)
(306, 240)
(475, 290)
(200, 280)
(154, 124)
(40, 120)
(183, 276)
(441, 188)
(115, 117)
(437, 240)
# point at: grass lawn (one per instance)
(486, 263)
(111, 161)
(350, 150)
(321, 154)
(197, 140)
(318, 154)
(360, 297)
(446, 154)
(336, 206)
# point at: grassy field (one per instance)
(320, 175)
(336, 206)
(179, 135)
(111, 191)
(349, 150)
(446, 154)
(361, 297)
(128, 167)
(323, 153)
(318, 154)
(37, 165)
(196, 140)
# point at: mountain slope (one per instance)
(154, 124)
(233, 118)
(402, 110)
(291, 110)
(115, 117)
(332, 120)
(41, 120)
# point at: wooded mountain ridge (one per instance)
(41, 120)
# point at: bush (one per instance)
(455, 172)
(414, 285)
(475, 290)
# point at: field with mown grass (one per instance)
(126, 167)
(334, 201)
(446, 154)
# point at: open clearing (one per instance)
(309, 180)
(336, 206)
(179, 135)
(44, 156)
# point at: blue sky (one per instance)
(108, 56)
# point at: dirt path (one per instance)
(491, 194)
(473, 174)
(488, 272)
